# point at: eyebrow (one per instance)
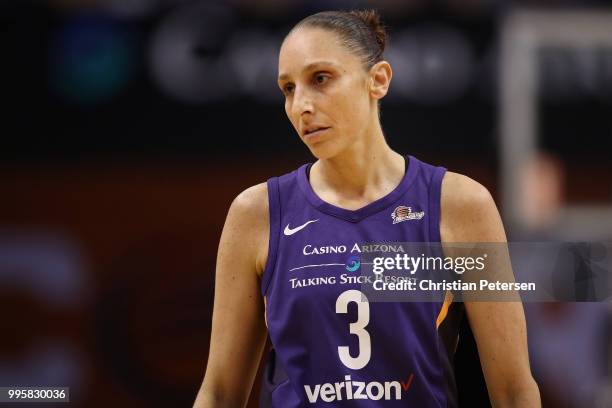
(308, 67)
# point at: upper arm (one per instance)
(238, 328)
(469, 214)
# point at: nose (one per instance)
(302, 101)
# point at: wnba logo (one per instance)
(353, 263)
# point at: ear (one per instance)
(380, 79)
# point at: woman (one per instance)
(287, 243)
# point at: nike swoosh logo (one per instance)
(291, 231)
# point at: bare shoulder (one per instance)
(248, 221)
(460, 191)
(252, 201)
(468, 212)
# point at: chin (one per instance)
(324, 150)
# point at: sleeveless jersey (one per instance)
(332, 347)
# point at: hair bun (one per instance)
(371, 18)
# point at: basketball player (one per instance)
(335, 348)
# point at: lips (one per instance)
(314, 129)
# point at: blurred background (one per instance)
(130, 125)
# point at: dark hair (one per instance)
(360, 31)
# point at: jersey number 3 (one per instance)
(357, 328)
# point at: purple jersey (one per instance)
(333, 347)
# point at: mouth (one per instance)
(310, 133)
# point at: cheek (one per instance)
(352, 106)
(288, 112)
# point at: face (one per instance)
(326, 89)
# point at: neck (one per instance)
(367, 170)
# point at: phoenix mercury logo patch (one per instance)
(403, 213)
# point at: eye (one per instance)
(320, 78)
(287, 89)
